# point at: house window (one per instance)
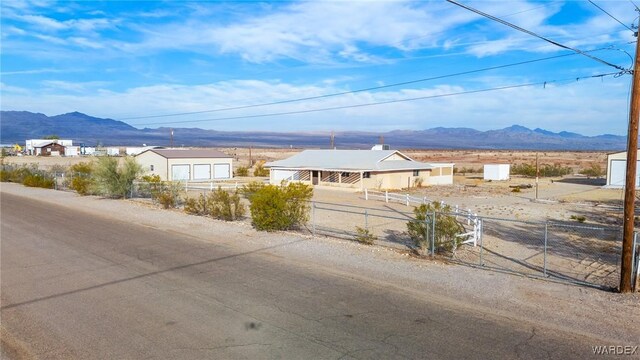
(151, 167)
(416, 172)
(345, 174)
(366, 175)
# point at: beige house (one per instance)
(186, 164)
(359, 169)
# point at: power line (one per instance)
(513, 26)
(356, 91)
(541, 83)
(611, 16)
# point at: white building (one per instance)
(186, 164)
(497, 172)
(617, 170)
(32, 144)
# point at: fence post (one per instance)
(546, 231)
(424, 200)
(366, 194)
(481, 244)
(407, 197)
(433, 234)
(236, 186)
(313, 216)
(366, 219)
(186, 186)
(386, 196)
(211, 186)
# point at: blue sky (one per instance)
(126, 60)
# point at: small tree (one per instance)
(280, 207)
(114, 180)
(447, 228)
(260, 170)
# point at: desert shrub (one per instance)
(81, 179)
(167, 194)
(250, 189)
(16, 174)
(364, 236)
(114, 180)
(594, 171)
(224, 206)
(39, 180)
(546, 170)
(280, 207)
(417, 182)
(420, 229)
(578, 218)
(196, 206)
(219, 204)
(242, 171)
(259, 170)
(516, 189)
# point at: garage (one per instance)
(201, 165)
(221, 171)
(201, 172)
(180, 172)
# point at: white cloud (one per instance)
(602, 106)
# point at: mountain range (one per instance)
(17, 126)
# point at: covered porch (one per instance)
(321, 177)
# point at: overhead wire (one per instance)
(358, 90)
(541, 83)
(516, 27)
(611, 16)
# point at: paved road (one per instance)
(76, 285)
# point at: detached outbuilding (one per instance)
(617, 170)
(496, 172)
(49, 149)
(186, 164)
(359, 169)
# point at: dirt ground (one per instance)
(514, 221)
(557, 198)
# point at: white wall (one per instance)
(497, 172)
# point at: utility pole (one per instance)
(171, 138)
(250, 157)
(332, 143)
(630, 184)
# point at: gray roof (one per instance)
(188, 153)
(354, 160)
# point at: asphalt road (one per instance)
(75, 285)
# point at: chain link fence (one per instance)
(580, 254)
(569, 252)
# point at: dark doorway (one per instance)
(314, 177)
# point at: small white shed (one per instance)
(497, 172)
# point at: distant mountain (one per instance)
(17, 126)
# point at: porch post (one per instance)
(361, 181)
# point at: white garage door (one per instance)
(180, 172)
(201, 172)
(618, 171)
(221, 171)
